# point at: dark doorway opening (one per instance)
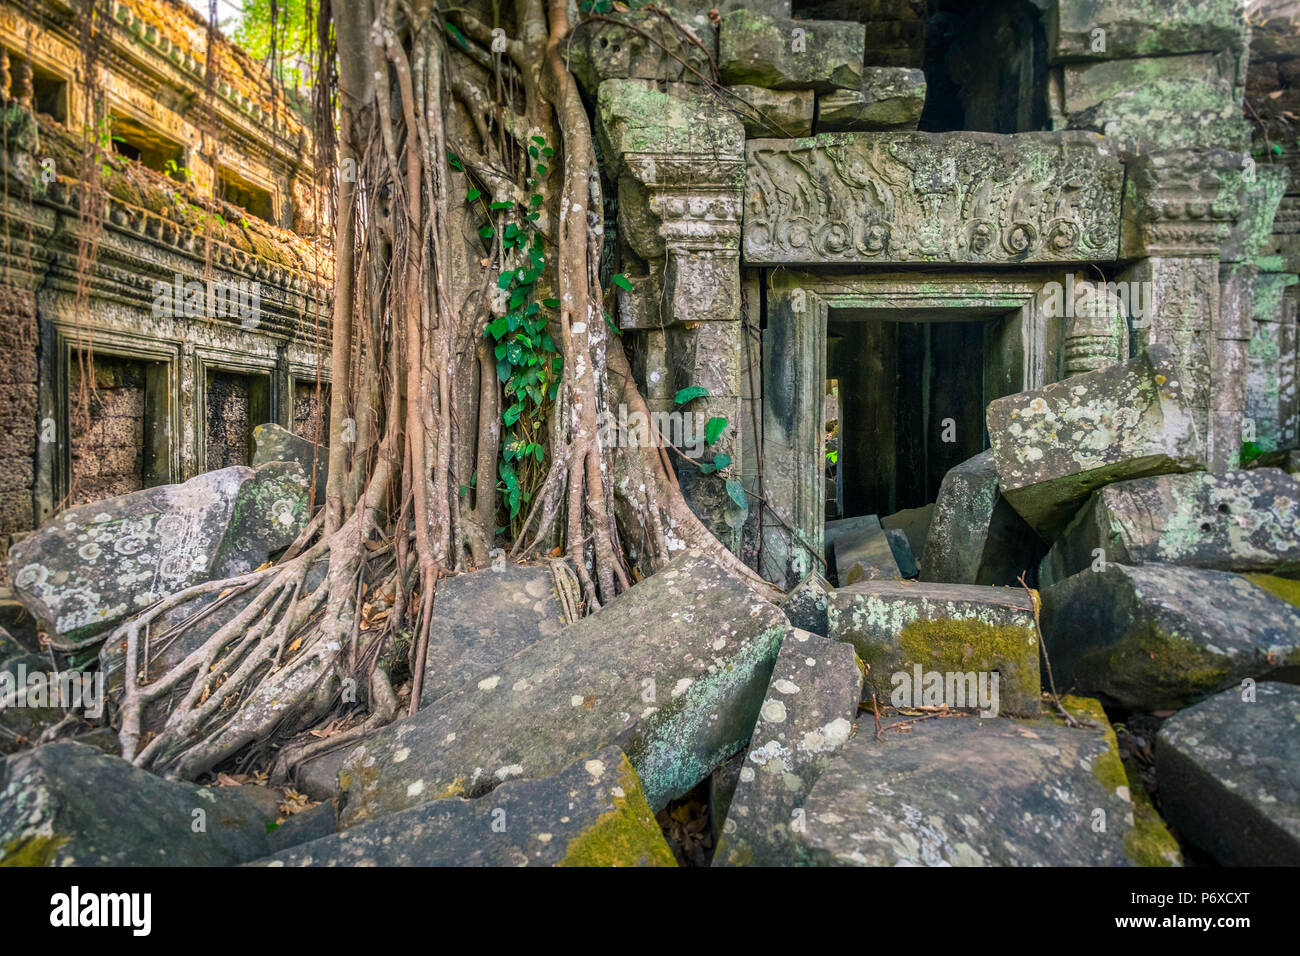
(911, 406)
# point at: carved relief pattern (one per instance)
(916, 197)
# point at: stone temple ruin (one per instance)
(1000, 300)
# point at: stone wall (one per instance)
(230, 420)
(107, 427)
(18, 421)
(311, 412)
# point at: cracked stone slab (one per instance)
(808, 715)
(482, 618)
(900, 628)
(673, 671)
(1055, 445)
(93, 566)
(592, 813)
(1241, 521)
(783, 112)
(272, 442)
(65, 804)
(972, 792)
(859, 550)
(1229, 771)
(1156, 636)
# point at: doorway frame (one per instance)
(798, 306)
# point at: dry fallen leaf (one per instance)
(297, 643)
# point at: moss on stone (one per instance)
(1183, 669)
(964, 644)
(624, 836)
(1149, 843)
(1284, 588)
(32, 851)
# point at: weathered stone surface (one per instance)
(269, 513)
(273, 442)
(1054, 445)
(67, 804)
(811, 704)
(1158, 103)
(673, 671)
(92, 566)
(785, 113)
(1158, 637)
(915, 523)
(612, 50)
(902, 551)
(482, 618)
(975, 537)
(900, 627)
(781, 54)
(591, 813)
(805, 606)
(1242, 521)
(636, 116)
(1116, 29)
(859, 550)
(1229, 772)
(931, 197)
(973, 792)
(315, 823)
(890, 98)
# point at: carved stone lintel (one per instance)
(868, 198)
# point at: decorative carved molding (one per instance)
(867, 198)
(1182, 202)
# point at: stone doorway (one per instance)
(910, 392)
(236, 404)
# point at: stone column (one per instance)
(678, 155)
(1180, 210)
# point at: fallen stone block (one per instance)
(26, 708)
(942, 644)
(1229, 772)
(93, 566)
(482, 618)
(811, 704)
(973, 792)
(272, 442)
(913, 522)
(859, 550)
(975, 537)
(1160, 637)
(673, 671)
(1055, 445)
(314, 823)
(890, 98)
(1242, 521)
(782, 54)
(805, 606)
(785, 114)
(902, 552)
(591, 813)
(67, 804)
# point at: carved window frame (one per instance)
(54, 466)
(306, 373)
(213, 359)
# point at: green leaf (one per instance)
(541, 170)
(472, 195)
(551, 303)
(498, 327)
(533, 216)
(539, 140)
(455, 163)
(497, 206)
(713, 428)
(487, 232)
(737, 492)
(689, 393)
(511, 414)
(622, 282)
(613, 328)
(547, 151)
(708, 468)
(536, 199)
(505, 278)
(721, 460)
